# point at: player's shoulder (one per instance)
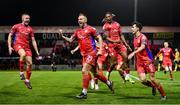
(16, 25)
(91, 27)
(170, 49)
(162, 49)
(143, 36)
(116, 23)
(106, 25)
(30, 28)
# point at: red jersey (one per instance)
(166, 53)
(145, 55)
(113, 30)
(21, 34)
(86, 39)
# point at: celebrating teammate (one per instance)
(117, 45)
(21, 34)
(86, 35)
(144, 60)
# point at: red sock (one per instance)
(127, 71)
(160, 89)
(90, 77)
(100, 71)
(109, 69)
(21, 65)
(86, 80)
(101, 77)
(28, 72)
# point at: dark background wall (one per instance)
(65, 12)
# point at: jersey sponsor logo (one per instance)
(86, 31)
(81, 36)
(89, 58)
(19, 46)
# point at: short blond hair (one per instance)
(82, 14)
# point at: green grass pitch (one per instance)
(61, 87)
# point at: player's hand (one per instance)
(37, 53)
(129, 48)
(131, 55)
(61, 32)
(10, 50)
(155, 58)
(72, 51)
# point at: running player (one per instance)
(117, 45)
(22, 32)
(144, 60)
(176, 60)
(86, 35)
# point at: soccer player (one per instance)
(176, 60)
(116, 44)
(167, 63)
(144, 60)
(160, 56)
(53, 62)
(94, 85)
(21, 33)
(86, 35)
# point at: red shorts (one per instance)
(145, 67)
(27, 50)
(116, 49)
(101, 59)
(89, 59)
(167, 63)
(119, 60)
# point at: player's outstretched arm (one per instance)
(158, 54)
(124, 41)
(64, 37)
(100, 41)
(10, 49)
(35, 45)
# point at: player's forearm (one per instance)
(113, 41)
(100, 43)
(66, 38)
(35, 46)
(9, 41)
(124, 41)
(158, 54)
(139, 49)
(77, 48)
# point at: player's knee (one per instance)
(28, 63)
(143, 81)
(84, 72)
(23, 55)
(166, 68)
(152, 79)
